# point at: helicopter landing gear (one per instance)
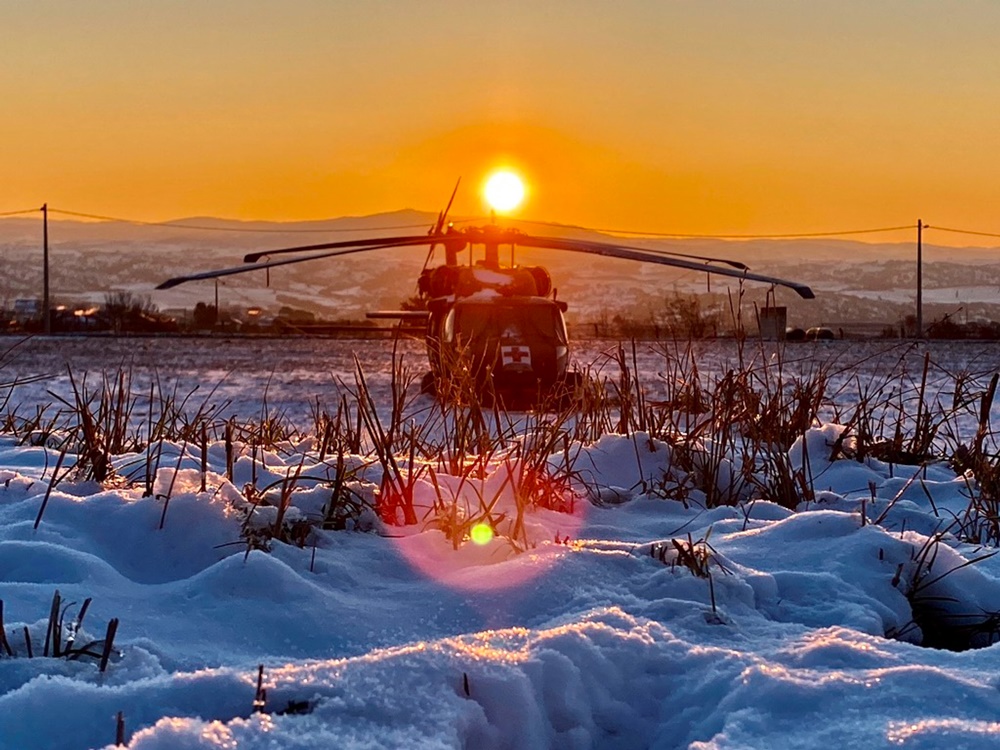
(428, 384)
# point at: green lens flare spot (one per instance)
(481, 533)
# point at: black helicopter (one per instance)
(498, 327)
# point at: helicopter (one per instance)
(499, 327)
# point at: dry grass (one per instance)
(464, 459)
(62, 639)
(730, 434)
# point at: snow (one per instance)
(964, 295)
(579, 627)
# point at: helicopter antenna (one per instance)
(436, 229)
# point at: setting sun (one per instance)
(504, 191)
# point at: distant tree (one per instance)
(946, 328)
(205, 316)
(889, 332)
(125, 311)
(627, 327)
(683, 317)
(602, 325)
(295, 315)
(986, 330)
(414, 303)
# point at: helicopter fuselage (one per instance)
(499, 330)
(513, 346)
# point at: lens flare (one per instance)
(481, 534)
(479, 553)
(504, 191)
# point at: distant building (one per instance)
(27, 309)
(772, 323)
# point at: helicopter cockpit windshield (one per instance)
(519, 342)
(523, 323)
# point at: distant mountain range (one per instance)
(856, 282)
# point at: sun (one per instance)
(504, 190)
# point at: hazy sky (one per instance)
(698, 116)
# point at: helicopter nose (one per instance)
(516, 356)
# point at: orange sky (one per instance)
(716, 117)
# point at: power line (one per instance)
(203, 228)
(637, 233)
(680, 235)
(962, 231)
(776, 236)
(607, 230)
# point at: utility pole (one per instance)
(216, 302)
(46, 307)
(920, 280)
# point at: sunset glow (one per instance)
(708, 117)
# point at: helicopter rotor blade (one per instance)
(737, 264)
(442, 217)
(628, 253)
(671, 254)
(372, 243)
(178, 280)
(735, 269)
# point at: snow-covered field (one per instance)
(292, 374)
(613, 618)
